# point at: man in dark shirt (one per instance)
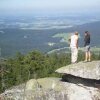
(87, 40)
(87, 46)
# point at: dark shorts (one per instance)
(87, 48)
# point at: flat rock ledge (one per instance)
(88, 70)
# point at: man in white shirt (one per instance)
(74, 47)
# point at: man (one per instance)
(74, 47)
(87, 47)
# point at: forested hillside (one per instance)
(19, 69)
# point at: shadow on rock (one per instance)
(82, 81)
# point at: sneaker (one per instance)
(89, 60)
(85, 61)
(74, 62)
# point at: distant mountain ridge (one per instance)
(94, 29)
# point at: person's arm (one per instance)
(69, 40)
(76, 42)
(85, 40)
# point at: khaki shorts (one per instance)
(87, 48)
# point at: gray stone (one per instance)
(31, 85)
(60, 91)
(88, 70)
(48, 83)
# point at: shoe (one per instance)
(89, 60)
(74, 62)
(85, 61)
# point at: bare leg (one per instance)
(86, 56)
(89, 54)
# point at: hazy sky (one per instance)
(49, 6)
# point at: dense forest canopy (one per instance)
(19, 69)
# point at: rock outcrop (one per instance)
(52, 89)
(75, 84)
(89, 70)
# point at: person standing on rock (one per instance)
(87, 46)
(74, 47)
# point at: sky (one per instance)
(48, 6)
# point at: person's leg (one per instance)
(89, 56)
(86, 56)
(86, 53)
(75, 54)
(72, 55)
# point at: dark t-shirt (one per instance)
(87, 40)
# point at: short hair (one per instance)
(76, 33)
(86, 32)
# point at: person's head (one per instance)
(87, 33)
(76, 33)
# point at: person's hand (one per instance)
(77, 46)
(69, 40)
(84, 45)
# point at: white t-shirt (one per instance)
(74, 39)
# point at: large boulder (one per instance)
(88, 70)
(49, 83)
(54, 89)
